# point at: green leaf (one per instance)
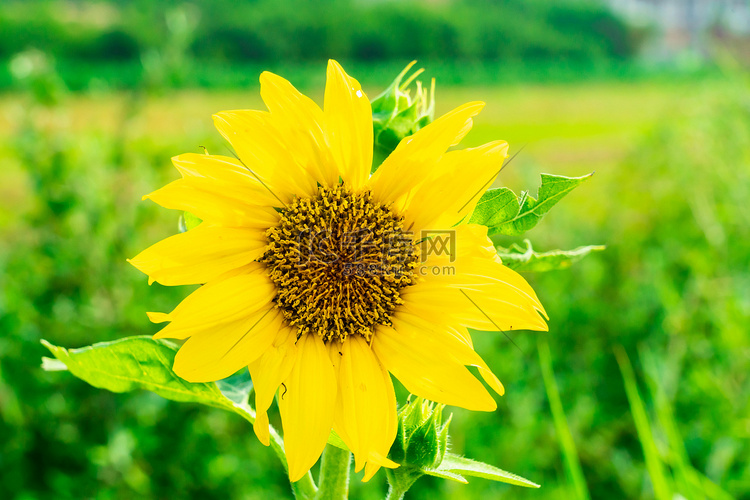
(444, 474)
(53, 365)
(505, 213)
(495, 207)
(237, 388)
(526, 259)
(466, 467)
(138, 363)
(144, 363)
(141, 362)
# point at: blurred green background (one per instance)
(96, 96)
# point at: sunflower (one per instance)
(324, 280)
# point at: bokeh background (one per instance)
(96, 96)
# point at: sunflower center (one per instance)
(338, 260)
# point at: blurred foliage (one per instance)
(673, 284)
(107, 40)
(671, 289)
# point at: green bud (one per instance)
(422, 438)
(421, 448)
(397, 114)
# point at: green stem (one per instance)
(305, 488)
(399, 481)
(334, 474)
(395, 493)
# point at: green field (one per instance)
(672, 162)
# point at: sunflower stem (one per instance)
(400, 480)
(305, 488)
(334, 474)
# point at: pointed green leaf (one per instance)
(141, 362)
(526, 259)
(53, 365)
(505, 213)
(467, 467)
(495, 207)
(444, 474)
(137, 363)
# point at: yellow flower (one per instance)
(323, 279)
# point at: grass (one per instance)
(567, 445)
(662, 489)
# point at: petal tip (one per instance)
(158, 317)
(260, 426)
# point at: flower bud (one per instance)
(397, 114)
(422, 437)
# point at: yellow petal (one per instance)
(218, 353)
(261, 426)
(374, 462)
(348, 117)
(454, 187)
(472, 287)
(302, 124)
(366, 405)
(220, 301)
(268, 372)
(225, 175)
(489, 307)
(258, 141)
(307, 408)
(199, 255)
(416, 157)
(463, 335)
(213, 206)
(451, 340)
(427, 369)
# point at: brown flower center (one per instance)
(338, 260)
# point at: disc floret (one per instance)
(338, 260)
